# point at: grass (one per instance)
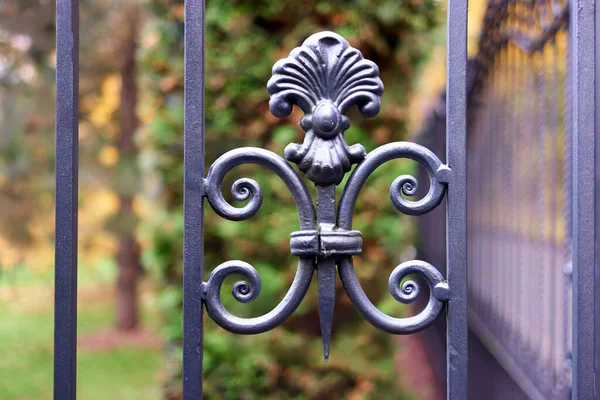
(26, 347)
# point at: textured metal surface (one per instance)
(519, 195)
(325, 77)
(65, 278)
(597, 215)
(326, 243)
(583, 59)
(326, 263)
(456, 238)
(529, 239)
(193, 241)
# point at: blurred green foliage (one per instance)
(244, 39)
(104, 370)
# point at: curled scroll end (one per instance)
(406, 292)
(357, 152)
(244, 292)
(280, 107)
(443, 174)
(372, 107)
(441, 291)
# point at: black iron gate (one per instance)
(325, 77)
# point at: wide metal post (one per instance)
(193, 242)
(583, 64)
(456, 239)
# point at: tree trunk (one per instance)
(128, 256)
(129, 272)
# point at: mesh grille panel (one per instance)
(518, 194)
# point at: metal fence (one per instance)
(525, 223)
(532, 114)
(519, 195)
(324, 77)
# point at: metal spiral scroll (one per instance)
(247, 291)
(405, 292)
(405, 185)
(325, 77)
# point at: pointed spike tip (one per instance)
(326, 293)
(326, 351)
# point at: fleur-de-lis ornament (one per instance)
(325, 77)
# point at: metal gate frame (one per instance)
(198, 293)
(582, 41)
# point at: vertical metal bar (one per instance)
(496, 256)
(65, 278)
(492, 201)
(568, 206)
(582, 40)
(542, 211)
(515, 169)
(456, 232)
(562, 104)
(326, 265)
(556, 259)
(193, 241)
(597, 217)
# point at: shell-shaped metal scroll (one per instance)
(325, 77)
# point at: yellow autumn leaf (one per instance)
(108, 156)
(9, 256)
(141, 206)
(98, 205)
(147, 111)
(102, 112)
(40, 257)
(477, 10)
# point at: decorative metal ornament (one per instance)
(325, 77)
